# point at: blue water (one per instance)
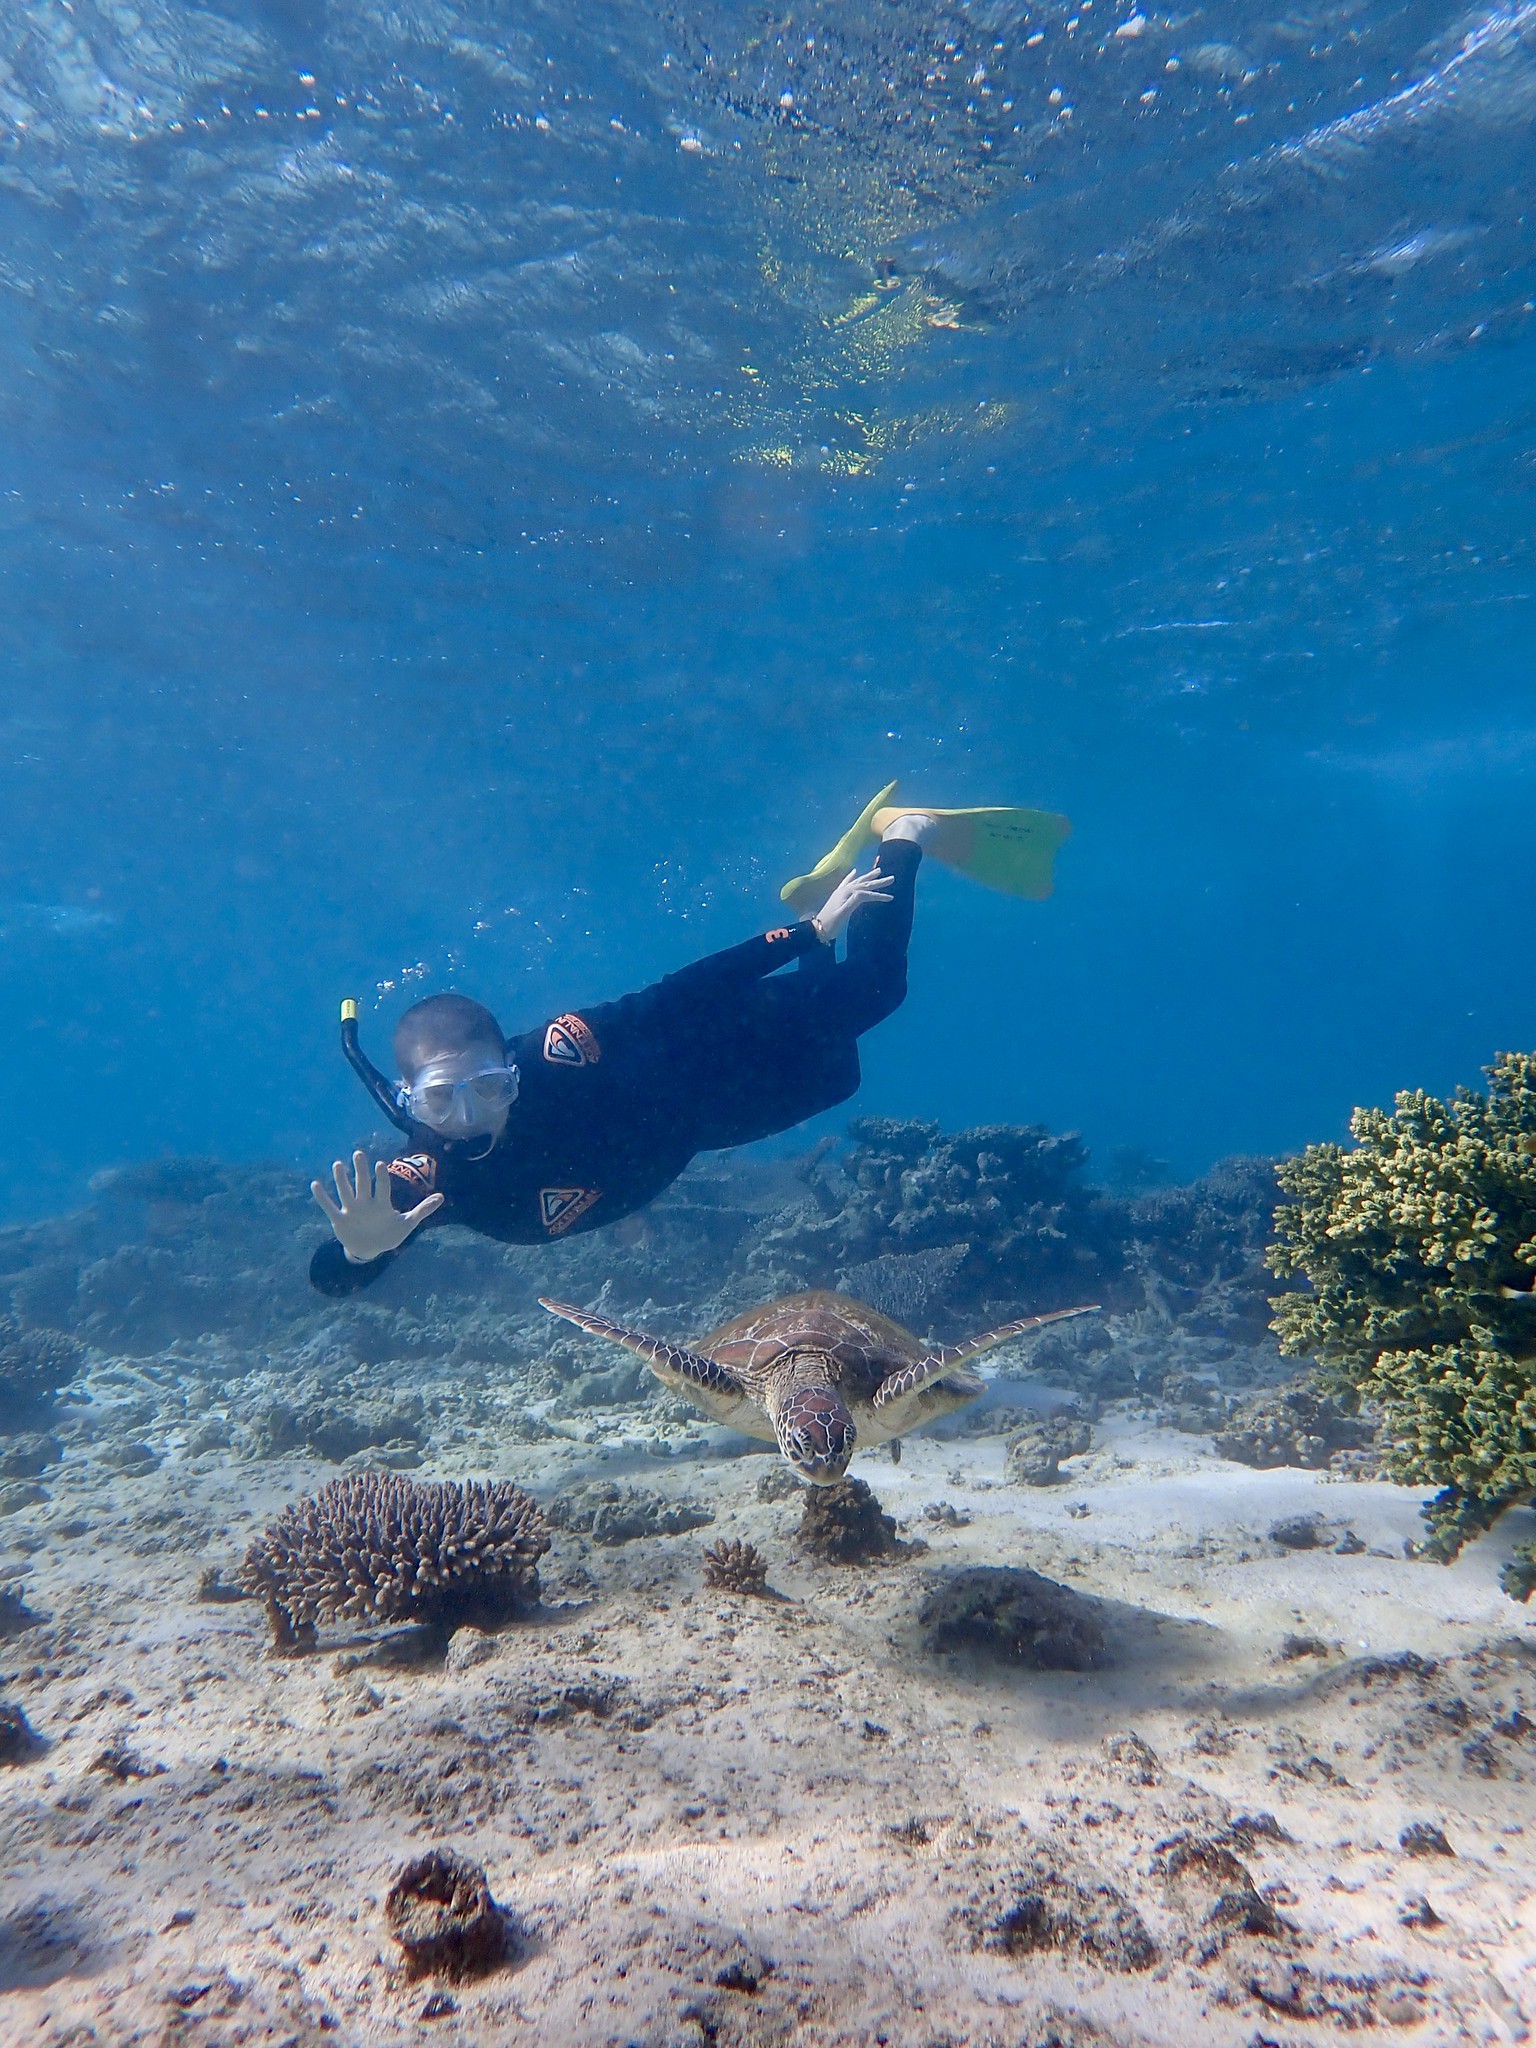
(486, 493)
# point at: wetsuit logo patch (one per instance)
(559, 1208)
(777, 938)
(571, 1042)
(419, 1168)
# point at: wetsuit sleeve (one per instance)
(737, 967)
(334, 1273)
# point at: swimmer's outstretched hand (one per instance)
(851, 894)
(366, 1222)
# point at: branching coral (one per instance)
(378, 1547)
(1420, 1246)
(731, 1566)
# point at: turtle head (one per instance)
(816, 1434)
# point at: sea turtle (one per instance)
(816, 1373)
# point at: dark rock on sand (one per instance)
(1046, 1901)
(440, 1910)
(1013, 1615)
(18, 1739)
(1424, 1838)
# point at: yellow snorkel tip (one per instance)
(349, 1009)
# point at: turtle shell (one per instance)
(862, 1344)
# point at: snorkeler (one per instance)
(584, 1120)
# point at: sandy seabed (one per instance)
(721, 1819)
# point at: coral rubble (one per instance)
(1419, 1243)
(611, 1514)
(1303, 1426)
(845, 1524)
(382, 1548)
(1036, 1451)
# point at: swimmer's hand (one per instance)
(851, 894)
(367, 1223)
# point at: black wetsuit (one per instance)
(616, 1099)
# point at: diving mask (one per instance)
(458, 1104)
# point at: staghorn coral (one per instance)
(731, 1566)
(1420, 1246)
(379, 1547)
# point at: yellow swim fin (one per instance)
(806, 893)
(1006, 849)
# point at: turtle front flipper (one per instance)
(912, 1379)
(708, 1385)
(956, 1354)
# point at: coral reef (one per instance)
(186, 1280)
(731, 1566)
(611, 1514)
(1014, 1204)
(1005, 1191)
(34, 1365)
(844, 1524)
(440, 1910)
(1303, 1426)
(338, 1432)
(382, 1548)
(1014, 1615)
(1420, 1246)
(902, 1284)
(1035, 1453)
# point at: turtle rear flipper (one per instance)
(708, 1385)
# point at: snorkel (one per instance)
(387, 1098)
(395, 1100)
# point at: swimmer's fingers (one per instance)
(348, 1186)
(422, 1211)
(324, 1199)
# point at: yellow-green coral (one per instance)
(1420, 1246)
